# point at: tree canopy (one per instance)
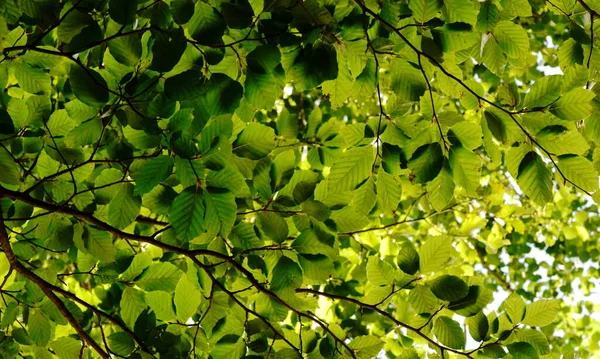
(299, 179)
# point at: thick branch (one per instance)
(44, 286)
(188, 253)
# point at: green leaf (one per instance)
(460, 11)
(366, 346)
(408, 259)
(512, 38)
(159, 276)
(182, 10)
(9, 170)
(449, 288)
(580, 171)
(274, 226)
(124, 207)
(312, 242)
(514, 306)
(522, 350)
(488, 16)
(502, 127)
(262, 85)
(220, 95)
(560, 141)
(185, 86)
(261, 90)
(89, 87)
(570, 53)
(153, 171)
(441, 189)
(543, 92)
(468, 133)
(493, 57)
(121, 343)
(141, 139)
(316, 209)
(132, 305)
(426, 162)
(140, 262)
(122, 12)
(40, 329)
(474, 302)
(286, 275)
(466, 169)
(227, 348)
(220, 211)
(99, 244)
(534, 337)
(187, 299)
(424, 10)
(452, 40)
(353, 167)
(541, 313)
(478, 326)
(161, 304)
(517, 8)
(575, 105)
(312, 66)
(206, 25)
(230, 179)
(335, 88)
(434, 253)
(364, 198)
(355, 56)
(73, 24)
(423, 300)
(534, 178)
(68, 348)
(380, 273)
(167, 50)
(389, 191)
(449, 332)
(86, 133)
(31, 79)
(255, 141)
(127, 50)
(494, 351)
(187, 213)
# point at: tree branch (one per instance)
(44, 286)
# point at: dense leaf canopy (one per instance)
(299, 178)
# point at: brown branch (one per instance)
(69, 54)
(387, 315)
(188, 253)
(55, 25)
(44, 286)
(76, 166)
(587, 85)
(559, 9)
(431, 317)
(148, 220)
(222, 287)
(379, 99)
(462, 83)
(404, 221)
(588, 9)
(435, 116)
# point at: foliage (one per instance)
(288, 178)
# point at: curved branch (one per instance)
(387, 315)
(44, 286)
(420, 53)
